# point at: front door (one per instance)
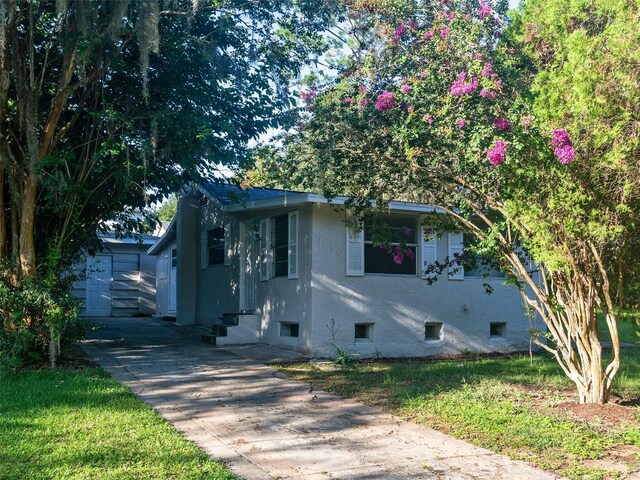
(99, 286)
(248, 267)
(173, 279)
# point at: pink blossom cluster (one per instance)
(428, 35)
(308, 95)
(460, 88)
(497, 153)
(347, 100)
(462, 123)
(502, 123)
(399, 254)
(563, 146)
(386, 101)
(444, 32)
(485, 9)
(489, 94)
(398, 33)
(405, 89)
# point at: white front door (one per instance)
(173, 279)
(248, 267)
(99, 286)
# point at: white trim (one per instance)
(265, 249)
(354, 252)
(428, 252)
(292, 252)
(204, 251)
(455, 240)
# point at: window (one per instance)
(289, 329)
(215, 246)
(280, 242)
(397, 230)
(497, 329)
(363, 331)
(433, 331)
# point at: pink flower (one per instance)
(449, 15)
(566, 154)
(560, 138)
(428, 118)
(409, 253)
(526, 122)
(502, 124)
(308, 95)
(405, 88)
(485, 9)
(364, 101)
(459, 87)
(398, 33)
(487, 70)
(410, 109)
(444, 32)
(383, 246)
(462, 123)
(497, 153)
(422, 75)
(428, 35)
(486, 93)
(407, 230)
(397, 259)
(347, 100)
(386, 101)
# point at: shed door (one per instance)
(99, 286)
(173, 279)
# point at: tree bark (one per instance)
(27, 228)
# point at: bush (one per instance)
(34, 314)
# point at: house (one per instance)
(289, 269)
(120, 281)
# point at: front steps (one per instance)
(234, 328)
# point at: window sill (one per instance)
(402, 275)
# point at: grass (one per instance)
(511, 406)
(81, 424)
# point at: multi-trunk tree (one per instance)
(526, 135)
(107, 105)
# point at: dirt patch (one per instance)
(610, 413)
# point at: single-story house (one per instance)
(120, 281)
(289, 269)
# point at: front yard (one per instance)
(518, 406)
(79, 423)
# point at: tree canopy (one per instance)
(108, 105)
(456, 105)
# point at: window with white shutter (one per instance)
(265, 249)
(456, 270)
(293, 245)
(204, 250)
(429, 251)
(355, 252)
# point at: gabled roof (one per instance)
(228, 194)
(169, 236)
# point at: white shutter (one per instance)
(265, 245)
(355, 252)
(204, 251)
(228, 246)
(428, 252)
(456, 272)
(293, 245)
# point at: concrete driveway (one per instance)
(264, 426)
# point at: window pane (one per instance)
(215, 245)
(379, 260)
(400, 228)
(280, 261)
(281, 231)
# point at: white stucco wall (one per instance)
(400, 305)
(163, 260)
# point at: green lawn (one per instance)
(512, 406)
(82, 424)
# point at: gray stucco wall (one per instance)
(400, 305)
(278, 299)
(187, 243)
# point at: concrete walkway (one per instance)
(264, 426)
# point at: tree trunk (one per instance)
(3, 220)
(27, 228)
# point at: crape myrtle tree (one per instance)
(108, 105)
(450, 107)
